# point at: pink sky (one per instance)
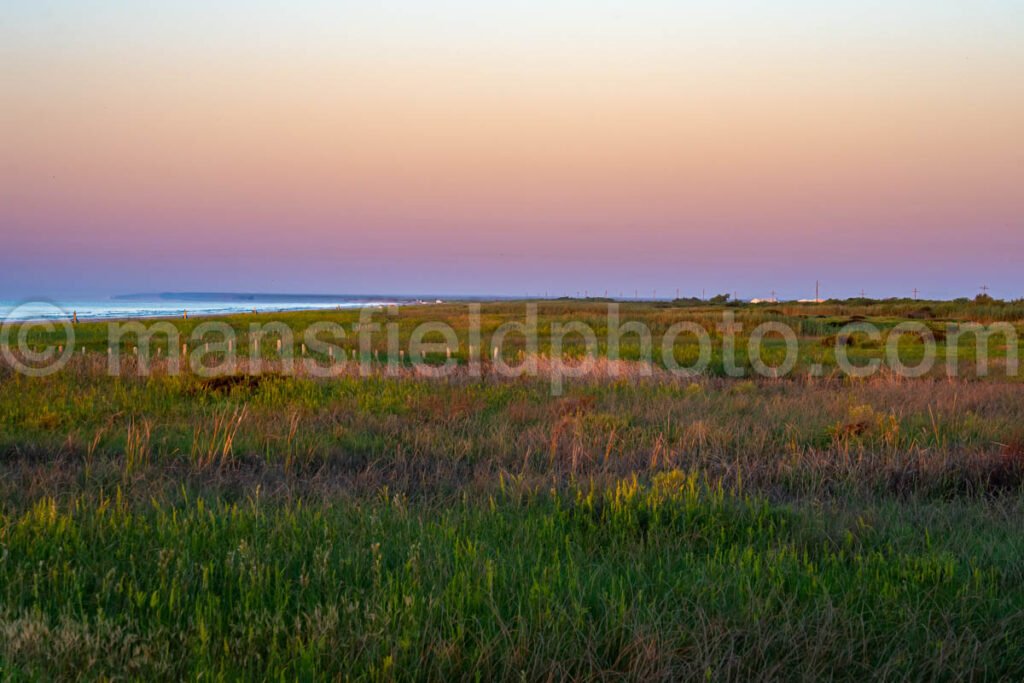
(536, 154)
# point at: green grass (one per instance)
(816, 326)
(402, 528)
(671, 580)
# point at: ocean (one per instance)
(159, 306)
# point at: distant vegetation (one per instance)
(813, 323)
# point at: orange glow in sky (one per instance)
(474, 149)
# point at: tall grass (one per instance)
(680, 579)
(394, 527)
(214, 444)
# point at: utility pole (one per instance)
(984, 289)
(915, 293)
(773, 296)
(862, 294)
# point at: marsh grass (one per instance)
(816, 325)
(678, 578)
(395, 527)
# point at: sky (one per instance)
(530, 147)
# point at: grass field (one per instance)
(397, 527)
